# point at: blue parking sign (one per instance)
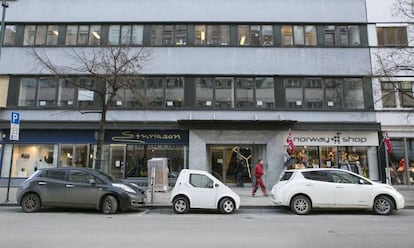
(15, 118)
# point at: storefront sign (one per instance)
(335, 138)
(149, 136)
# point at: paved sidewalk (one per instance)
(162, 199)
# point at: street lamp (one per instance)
(5, 5)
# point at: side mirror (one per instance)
(216, 185)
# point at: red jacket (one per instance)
(258, 171)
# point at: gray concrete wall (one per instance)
(187, 10)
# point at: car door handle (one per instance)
(69, 186)
(309, 185)
(42, 183)
(339, 187)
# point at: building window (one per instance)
(313, 93)
(265, 97)
(174, 92)
(299, 35)
(125, 34)
(333, 93)
(255, 35)
(392, 36)
(47, 96)
(83, 35)
(66, 94)
(155, 93)
(10, 35)
(397, 94)
(27, 92)
(244, 93)
(169, 35)
(294, 92)
(353, 93)
(342, 35)
(211, 35)
(204, 97)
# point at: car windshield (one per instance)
(286, 176)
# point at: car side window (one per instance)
(317, 176)
(54, 174)
(80, 176)
(201, 181)
(344, 177)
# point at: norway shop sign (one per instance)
(335, 138)
(148, 137)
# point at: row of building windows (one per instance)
(198, 35)
(195, 92)
(397, 94)
(184, 35)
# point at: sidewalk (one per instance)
(162, 199)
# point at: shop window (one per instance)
(28, 158)
(204, 92)
(305, 157)
(354, 159)
(77, 155)
(392, 36)
(244, 93)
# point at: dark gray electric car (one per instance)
(78, 188)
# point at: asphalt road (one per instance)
(253, 228)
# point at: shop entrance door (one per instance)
(223, 161)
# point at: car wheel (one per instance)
(383, 205)
(300, 204)
(31, 203)
(109, 205)
(227, 206)
(181, 205)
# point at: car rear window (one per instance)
(286, 176)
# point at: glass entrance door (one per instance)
(224, 161)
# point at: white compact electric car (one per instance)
(200, 190)
(305, 189)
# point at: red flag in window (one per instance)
(290, 143)
(387, 142)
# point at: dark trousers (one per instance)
(240, 182)
(259, 183)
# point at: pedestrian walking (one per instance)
(239, 172)
(258, 173)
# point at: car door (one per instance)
(319, 187)
(79, 191)
(51, 187)
(351, 190)
(201, 190)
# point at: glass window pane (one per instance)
(265, 97)
(114, 34)
(27, 93)
(155, 93)
(224, 39)
(329, 35)
(204, 92)
(83, 35)
(168, 35)
(135, 94)
(354, 35)
(294, 93)
(267, 35)
(243, 35)
(388, 95)
(287, 36)
(199, 35)
(406, 95)
(244, 93)
(310, 35)
(333, 91)
(10, 35)
(126, 34)
(85, 93)
(29, 35)
(66, 93)
(353, 94)
(224, 93)
(52, 35)
(380, 35)
(174, 92)
(313, 93)
(342, 35)
(400, 36)
(41, 35)
(47, 95)
(95, 35)
(180, 35)
(156, 35)
(71, 35)
(137, 34)
(255, 35)
(299, 35)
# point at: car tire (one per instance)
(301, 205)
(383, 205)
(31, 203)
(227, 206)
(181, 205)
(109, 205)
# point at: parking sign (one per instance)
(15, 118)
(14, 126)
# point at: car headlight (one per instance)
(124, 187)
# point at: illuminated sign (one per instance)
(301, 138)
(148, 136)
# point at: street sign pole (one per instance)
(14, 136)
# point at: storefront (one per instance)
(355, 151)
(125, 152)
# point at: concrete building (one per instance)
(225, 79)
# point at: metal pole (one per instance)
(10, 172)
(5, 5)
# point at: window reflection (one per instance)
(244, 93)
(204, 92)
(10, 35)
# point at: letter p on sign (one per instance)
(15, 118)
